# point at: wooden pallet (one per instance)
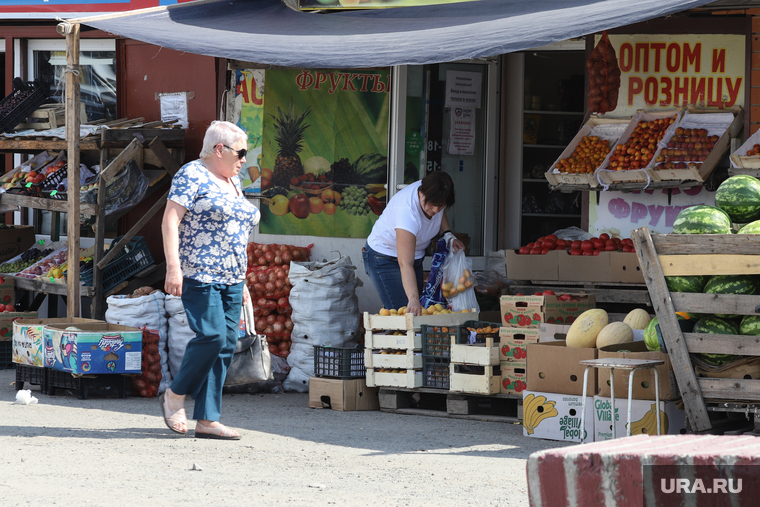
(696, 254)
(441, 403)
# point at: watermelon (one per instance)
(686, 283)
(751, 228)
(650, 335)
(371, 168)
(715, 325)
(702, 219)
(739, 196)
(750, 325)
(731, 284)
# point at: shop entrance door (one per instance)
(445, 119)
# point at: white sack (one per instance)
(179, 332)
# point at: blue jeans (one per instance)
(213, 312)
(385, 274)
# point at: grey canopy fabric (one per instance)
(268, 32)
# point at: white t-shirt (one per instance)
(404, 212)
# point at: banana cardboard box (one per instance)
(643, 421)
(27, 338)
(555, 416)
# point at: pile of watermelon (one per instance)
(737, 202)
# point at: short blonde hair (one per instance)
(221, 132)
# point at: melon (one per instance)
(583, 332)
(613, 334)
(637, 318)
(316, 166)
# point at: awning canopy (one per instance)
(268, 32)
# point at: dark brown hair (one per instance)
(438, 189)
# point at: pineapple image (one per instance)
(289, 137)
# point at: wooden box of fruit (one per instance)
(588, 149)
(634, 154)
(697, 144)
(747, 156)
(408, 322)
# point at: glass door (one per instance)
(445, 119)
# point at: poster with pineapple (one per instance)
(324, 151)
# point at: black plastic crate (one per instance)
(35, 375)
(132, 259)
(479, 337)
(6, 355)
(104, 385)
(21, 102)
(339, 362)
(435, 372)
(436, 340)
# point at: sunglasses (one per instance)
(240, 153)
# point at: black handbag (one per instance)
(252, 361)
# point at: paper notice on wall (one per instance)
(462, 132)
(174, 107)
(463, 89)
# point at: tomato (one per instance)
(596, 252)
(535, 251)
(598, 244)
(590, 251)
(576, 251)
(576, 244)
(610, 242)
(628, 248)
(538, 294)
(545, 251)
(550, 244)
(539, 240)
(627, 241)
(552, 237)
(549, 292)
(587, 245)
(524, 250)
(564, 297)
(531, 244)
(610, 248)
(604, 236)
(562, 244)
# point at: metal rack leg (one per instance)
(583, 404)
(612, 400)
(630, 400)
(657, 398)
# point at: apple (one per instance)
(316, 205)
(279, 205)
(300, 206)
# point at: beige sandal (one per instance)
(220, 432)
(174, 418)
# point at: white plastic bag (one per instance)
(458, 283)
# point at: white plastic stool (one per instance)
(623, 364)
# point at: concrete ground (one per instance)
(107, 451)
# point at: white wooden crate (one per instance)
(480, 354)
(409, 322)
(408, 361)
(409, 379)
(476, 383)
(410, 341)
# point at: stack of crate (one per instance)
(474, 364)
(521, 317)
(393, 353)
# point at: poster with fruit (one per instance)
(249, 98)
(324, 152)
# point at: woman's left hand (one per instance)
(457, 245)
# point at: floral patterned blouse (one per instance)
(214, 232)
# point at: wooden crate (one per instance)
(409, 322)
(476, 383)
(701, 173)
(409, 379)
(740, 159)
(480, 354)
(704, 254)
(375, 359)
(49, 116)
(410, 340)
(606, 128)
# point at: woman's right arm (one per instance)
(170, 230)
(406, 244)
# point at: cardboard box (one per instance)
(552, 332)
(643, 387)
(642, 418)
(514, 377)
(565, 424)
(584, 268)
(532, 267)
(514, 342)
(6, 323)
(15, 240)
(96, 348)
(344, 395)
(531, 311)
(625, 268)
(8, 291)
(27, 338)
(555, 368)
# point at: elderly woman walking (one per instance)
(205, 229)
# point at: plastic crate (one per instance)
(435, 372)
(436, 340)
(6, 355)
(339, 362)
(480, 337)
(101, 384)
(29, 102)
(132, 259)
(35, 375)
